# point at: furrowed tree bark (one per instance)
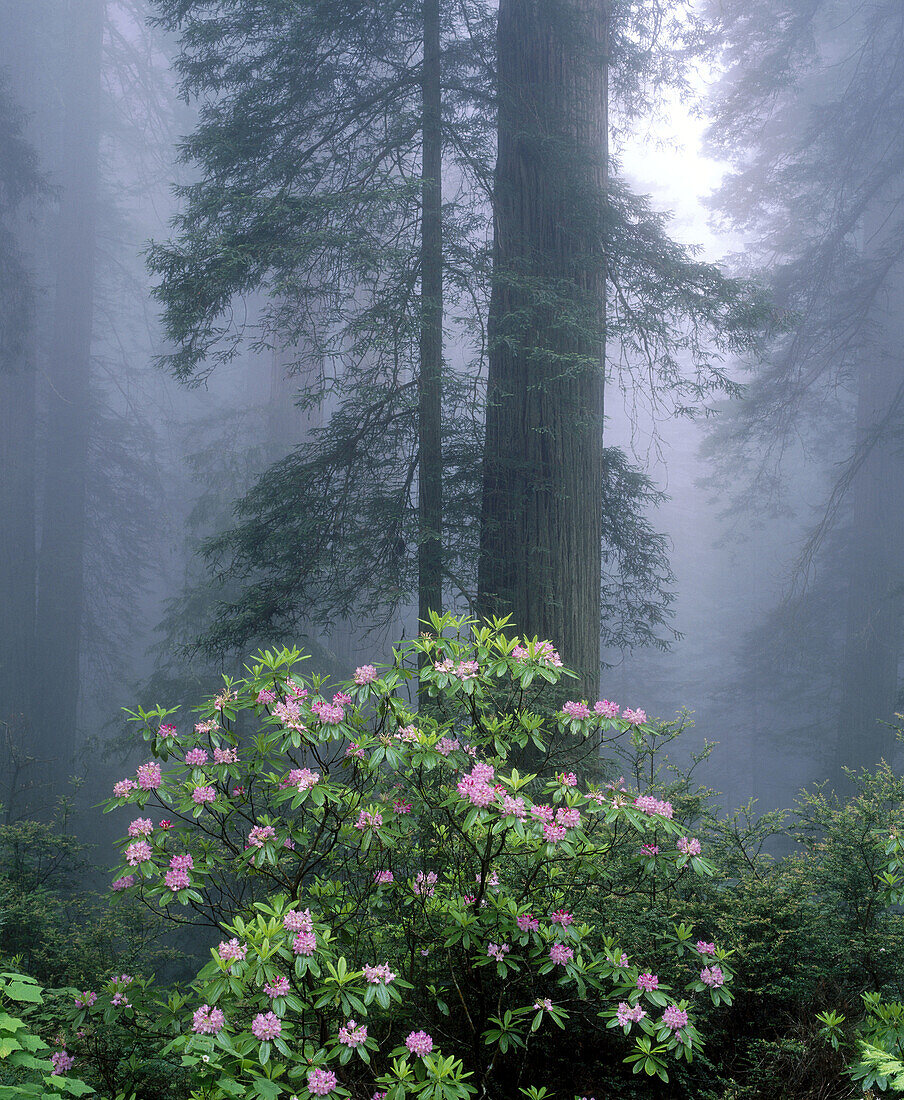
(61, 558)
(430, 458)
(541, 530)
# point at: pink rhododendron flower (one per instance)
(514, 806)
(554, 833)
(626, 1015)
(544, 1004)
(561, 954)
(382, 878)
(444, 666)
(176, 879)
(424, 885)
(279, 987)
(688, 847)
(379, 975)
(182, 862)
(563, 917)
(712, 976)
(202, 795)
(330, 714)
(527, 923)
(648, 981)
(568, 779)
(498, 951)
(352, 1035)
(476, 786)
(368, 820)
(305, 943)
(407, 734)
(572, 709)
(166, 731)
(123, 788)
(445, 745)
(674, 1017)
(298, 921)
(401, 807)
(62, 1061)
(321, 1082)
(354, 749)
(231, 951)
(266, 696)
(365, 674)
(123, 883)
(149, 777)
(605, 709)
(139, 851)
(467, 670)
(295, 689)
(650, 805)
(260, 834)
(569, 816)
(650, 849)
(196, 757)
(166, 825)
(706, 948)
(225, 756)
(420, 1043)
(266, 1025)
(86, 999)
(342, 699)
(207, 1021)
(141, 826)
(120, 1000)
(635, 717)
(542, 813)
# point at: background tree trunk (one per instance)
(540, 553)
(61, 557)
(430, 458)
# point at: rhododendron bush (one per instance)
(402, 908)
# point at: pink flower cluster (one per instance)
(706, 948)
(688, 847)
(650, 805)
(331, 714)
(568, 779)
(383, 878)
(278, 987)
(379, 975)
(401, 807)
(527, 923)
(563, 917)
(149, 776)
(368, 820)
(476, 785)
(265, 695)
(514, 807)
(225, 756)
(305, 943)
(498, 951)
(62, 1061)
(605, 709)
(196, 757)
(424, 884)
(123, 788)
(650, 849)
(445, 745)
(303, 778)
(139, 851)
(542, 813)
(712, 976)
(365, 674)
(543, 651)
(201, 795)
(141, 826)
(86, 999)
(561, 954)
(352, 1035)
(575, 710)
(674, 1017)
(166, 730)
(635, 717)
(260, 834)
(177, 876)
(554, 833)
(295, 921)
(321, 1082)
(420, 1043)
(266, 1025)
(231, 951)
(207, 1021)
(648, 981)
(123, 883)
(626, 1015)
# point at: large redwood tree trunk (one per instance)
(540, 551)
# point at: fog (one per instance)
(121, 452)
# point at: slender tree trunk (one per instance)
(61, 558)
(430, 458)
(17, 422)
(541, 523)
(869, 673)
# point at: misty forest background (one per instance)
(303, 308)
